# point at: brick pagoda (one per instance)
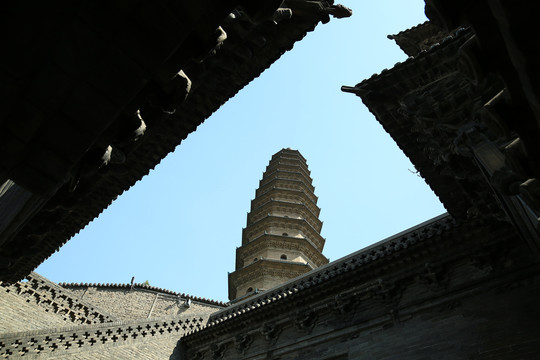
(282, 238)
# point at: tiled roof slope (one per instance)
(455, 179)
(418, 38)
(247, 52)
(146, 287)
(46, 303)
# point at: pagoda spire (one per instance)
(282, 237)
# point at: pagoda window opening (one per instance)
(249, 290)
(285, 234)
(283, 257)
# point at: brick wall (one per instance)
(133, 339)
(149, 350)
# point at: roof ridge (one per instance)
(51, 296)
(146, 287)
(415, 27)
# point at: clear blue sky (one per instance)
(179, 227)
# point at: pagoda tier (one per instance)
(282, 237)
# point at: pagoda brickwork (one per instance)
(282, 237)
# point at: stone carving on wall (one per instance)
(271, 331)
(387, 292)
(343, 304)
(305, 320)
(434, 277)
(242, 342)
(492, 260)
(218, 350)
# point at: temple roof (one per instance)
(392, 94)
(418, 38)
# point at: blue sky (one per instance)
(179, 227)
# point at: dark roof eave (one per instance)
(154, 147)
